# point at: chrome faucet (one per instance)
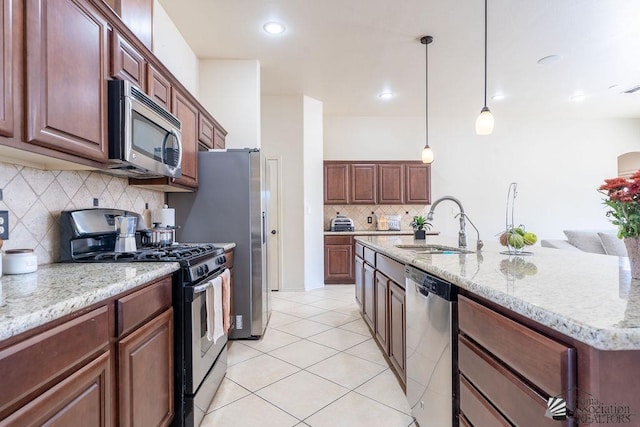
(462, 236)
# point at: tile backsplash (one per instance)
(34, 199)
(359, 214)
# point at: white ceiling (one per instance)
(345, 52)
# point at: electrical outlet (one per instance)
(4, 225)
(369, 220)
(96, 202)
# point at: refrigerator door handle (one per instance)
(264, 228)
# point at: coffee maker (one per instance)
(126, 233)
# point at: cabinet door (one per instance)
(391, 184)
(145, 374)
(363, 178)
(82, 399)
(126, 62)
(382, 299)
(205, 131)
(338, 263)
(158, 87)
(219, 137)
(336, 184)
(138, 16)
(417, 184)
(66, 81)
(369, 296)
(397, 316)
(359, 277)
(187, 113)
(6, 68)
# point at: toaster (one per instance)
(341, 223)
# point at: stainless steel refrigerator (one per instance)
(229, 207)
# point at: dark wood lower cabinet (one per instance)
(82, 399)
(369, 296)
(359, 276)
(338, 260)
(145, 376)
(382, 300)
(397, 327)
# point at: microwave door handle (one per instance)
(177, 137)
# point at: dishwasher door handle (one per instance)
(422, 291)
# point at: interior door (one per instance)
(273, 227)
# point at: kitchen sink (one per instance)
(433, 249)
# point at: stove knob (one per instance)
(222, 260)
(206, 268)
(200, 271)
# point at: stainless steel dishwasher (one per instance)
(432, 386)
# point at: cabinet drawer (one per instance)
(393, 269)
(136, 308)
(31, 365)
(338, 240)
(126, 62)
(475, 410)
(359, 250)
(515, 399)
(546, 363)
(370, 256)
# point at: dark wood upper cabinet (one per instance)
(377, 182)
(158, 87)
(126, 62)
(205, 131)
(187, 113)
(391, 184)
(66, 80)
(137, 16)
(6, 68)
(418, 184)
(219, 137)
(336, 183)
(363, 179)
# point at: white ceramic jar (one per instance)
(19, 261)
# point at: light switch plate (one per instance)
(4, 225)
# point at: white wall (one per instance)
(282, 135)
(172, 49)
(230, 91)
(558, 164)
(313, 190)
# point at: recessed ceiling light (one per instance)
(386, 95)
(274, 27)
(551, 59)
(498, 97)
(578, 97)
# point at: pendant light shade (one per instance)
(427, 152)
(484, 122)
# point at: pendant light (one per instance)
(484, 122)
(427, 152)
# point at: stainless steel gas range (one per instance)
(89, 235)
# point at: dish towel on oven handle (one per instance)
(213, 306)
(226, 300)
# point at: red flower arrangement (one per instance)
(623, 197)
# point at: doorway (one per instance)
(274, 239)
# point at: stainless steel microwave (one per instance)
(144, 138)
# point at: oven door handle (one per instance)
(195, 290)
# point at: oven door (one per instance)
(200, 354)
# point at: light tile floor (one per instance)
(317, 365)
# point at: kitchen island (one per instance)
(582, 309)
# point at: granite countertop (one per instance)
(55, 290)
(375, 233)
(586, 296)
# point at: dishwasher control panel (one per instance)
(429, 283)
